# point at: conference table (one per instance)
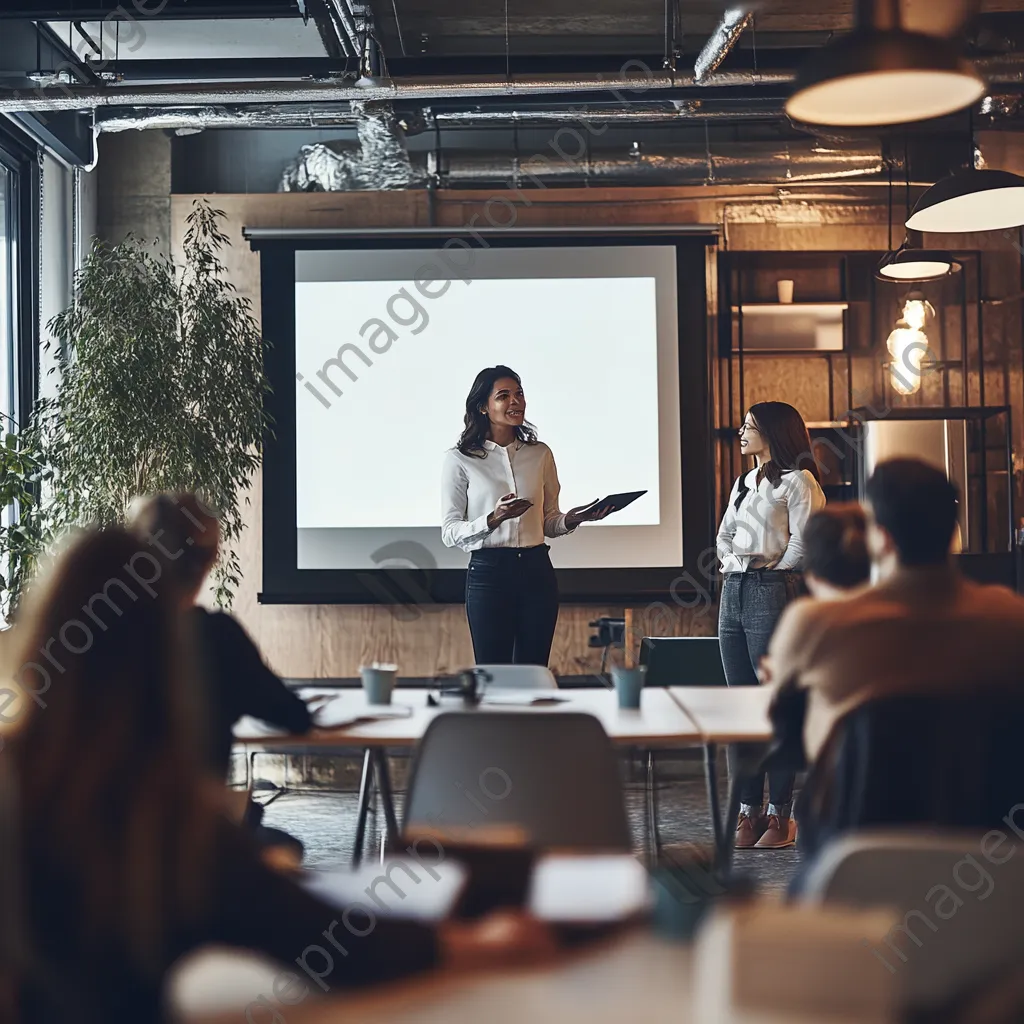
(350, 722)
(672, 717)
(632, 975)
(727, 714)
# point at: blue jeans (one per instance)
(750, 607)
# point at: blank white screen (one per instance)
(591, 330)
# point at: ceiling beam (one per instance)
(99, 10)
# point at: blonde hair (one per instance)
(103, 757)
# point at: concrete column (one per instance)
(134, 187)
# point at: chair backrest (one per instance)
(520, 677)
(552, 774)
(682, 661)
(957, 896)
(939, 760)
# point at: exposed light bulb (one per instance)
(917, 312)
(908, 345)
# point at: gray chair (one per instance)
(958, 908)
(519, 677)
(553, 775)
(682, 661)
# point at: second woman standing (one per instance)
(760, 545)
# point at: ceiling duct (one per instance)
(336, 167)
(378, 162)
(123, 119)
(722, 40)
(413, 89)
(734, 163)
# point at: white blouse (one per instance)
(471, 487)
(766, 531)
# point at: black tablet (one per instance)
(618, 501)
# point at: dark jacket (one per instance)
(238, 683)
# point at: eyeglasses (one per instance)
(747, 427)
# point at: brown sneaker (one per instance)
(749, 830)
(779, 833)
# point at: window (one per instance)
(18, 306)
(18, 329)
(8, 295)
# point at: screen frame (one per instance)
(285, 583)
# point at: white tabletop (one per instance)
(660, 721)
(629, 978)
(727, 714)
(564, 887)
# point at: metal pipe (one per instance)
(636, 113)
(218, 93)
(121, 119)
(348, 23)
(722, 40)
(331, 31)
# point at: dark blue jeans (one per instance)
(512, 605)
(750, 607)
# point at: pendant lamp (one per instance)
(880, 74)
(909, 264)
(973, 200)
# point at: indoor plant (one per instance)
(23, 471)
(161, 386)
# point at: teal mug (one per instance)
(629, 683)
(378, 682)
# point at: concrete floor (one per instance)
(325, 822)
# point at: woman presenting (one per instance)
(499, 493)
(760, 545)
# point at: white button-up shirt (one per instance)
(766, 531)
(471, 487)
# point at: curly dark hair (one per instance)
(476, 421)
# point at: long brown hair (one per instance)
(785, 433)
(103, 758)
(477, 423)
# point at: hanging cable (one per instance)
(890, 205)
(508, 62)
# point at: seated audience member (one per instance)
(836, 566)
(922, 628)
(184, 535)
(115, 859)
(836, 560)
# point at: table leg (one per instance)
(711, 776)
(365, 786)
(729, 830)
(652, 807)
(386, 798)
